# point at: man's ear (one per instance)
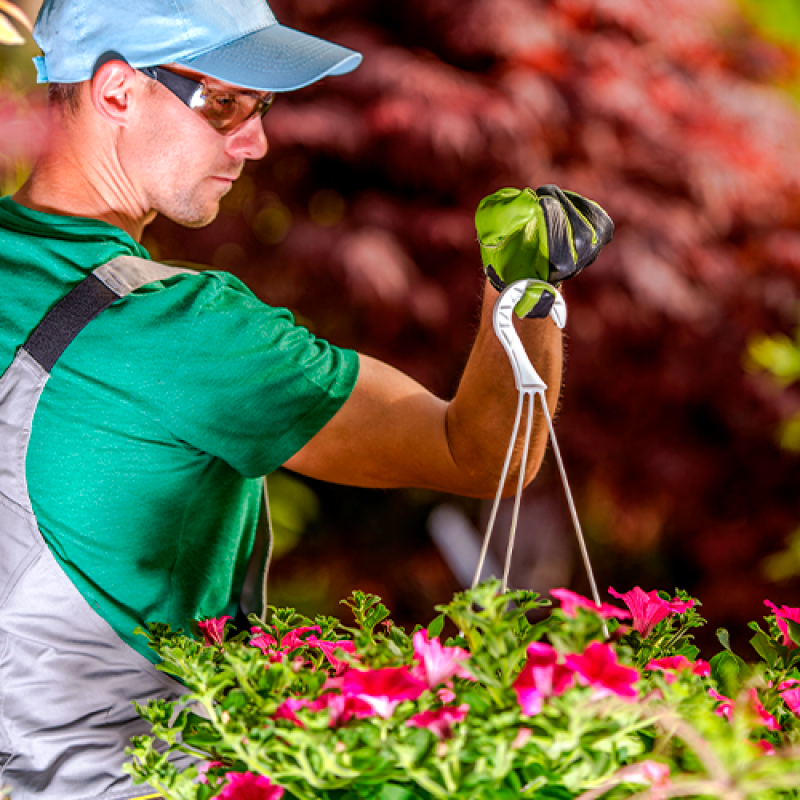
(113, 90)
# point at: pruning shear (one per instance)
(529, 384)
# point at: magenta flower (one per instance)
(725, 709)
(649, 772)
(782, 614)
(674, 664)
(598, 667)
(766, 747)
(213, 630)
(648, 609)
(571, 602)
(247, 786)
(329, 648)
(761, 712)
(438, 664)
(382, 689)
(541, 677)
(291, 641)
(287, 708)
(203, 769)
(341, 709)
(790, 692)
(440, 720)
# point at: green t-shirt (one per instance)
(157, 422)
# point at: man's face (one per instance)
(185, 166)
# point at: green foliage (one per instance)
(584, 739)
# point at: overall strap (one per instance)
(96, 292)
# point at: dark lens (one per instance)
(225, 111)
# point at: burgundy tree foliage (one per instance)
(361, 220)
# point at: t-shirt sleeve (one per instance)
(251, 386)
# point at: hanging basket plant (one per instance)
(584, 702)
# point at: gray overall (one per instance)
(67, 681)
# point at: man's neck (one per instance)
(61, 184)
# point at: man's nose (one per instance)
(249, 141)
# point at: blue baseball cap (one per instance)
(236, 41)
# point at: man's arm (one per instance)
(392, 432)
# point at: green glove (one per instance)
(549, 234)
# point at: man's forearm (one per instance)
(480, 417)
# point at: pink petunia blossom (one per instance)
(571, 602)
(341, 709)
(247, 786)
(650, 772)
(761, 712)
(727, 706)
(598, 667)
(329, 649)
(202, 770)
(782, 614)
(541, 677)
(725, 709)
(287, 708)
(790, 692)
(440, 720)
(521, 739)
(446, 695)
(383, 689)
(213, 630)
(438, 664)
(766, 747)
(673, 664)
(648, 609)
(290, 641)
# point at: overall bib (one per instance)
(67, 681)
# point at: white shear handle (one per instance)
(525, 376)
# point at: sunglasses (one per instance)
(223, 111)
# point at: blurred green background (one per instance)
(678, 417)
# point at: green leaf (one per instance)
(728, 671)
(436, 626)
(794, 630)
(764, 646)
(724, 638)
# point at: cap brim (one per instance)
(274, 59)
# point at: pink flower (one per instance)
(782, 614)
(598, 667)
(446, 695)
(438, 664)
(287, 708)
(341, 709)
(521, 739)
(761, 712)
(766, 747)
(790, 692)
(247, 786)
(383, 689)
(213, 630)
(571, 602)
(725, 709)
(649, 772)
(290, 641)
(727, 706)
(329, 648)
(541, 677)
(203, 769)
(440, 720)
(648, 609)
(673, 664)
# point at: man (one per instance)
(141, 405)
